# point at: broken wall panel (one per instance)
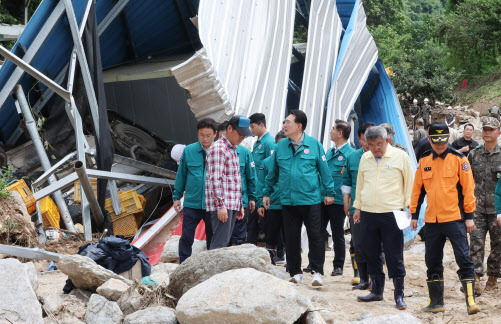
(249, 44)
(357, 56)
(324, 33)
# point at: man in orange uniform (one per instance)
(444, 176)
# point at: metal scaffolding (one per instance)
(88, 201)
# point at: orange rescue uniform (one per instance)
(448, 182)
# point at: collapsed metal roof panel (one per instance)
(324, 36)
(357, 55)
(249, 45)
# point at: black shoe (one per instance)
(280, 260)
(436, 296)
(399, 293)
(308, 269)
(377, 289)
(337, 271)
(364, 279)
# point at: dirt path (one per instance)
(340, 304)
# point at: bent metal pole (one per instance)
(97, 213)
(44, 159)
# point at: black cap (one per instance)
(439, 132)
(241, 124)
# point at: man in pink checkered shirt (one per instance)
(223, 183)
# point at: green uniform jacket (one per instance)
(262, 149)
(350, 174)
(248, 173)
(337, 164)
(190, 178)
(300, 175)
(275, 194)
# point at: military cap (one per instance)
(490, 122)
(388, 127)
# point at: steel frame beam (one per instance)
(98, 174)
(110, 17)
(32, 51)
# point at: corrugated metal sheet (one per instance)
(208, 96)
(357, 55)
(324, 36)
(249, 44)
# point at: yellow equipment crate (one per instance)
(50, 213)
(77, 198)
(125, 224)
(25, 193)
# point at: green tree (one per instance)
(384, 12)
(473, 34)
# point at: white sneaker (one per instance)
(297, 279)
(317, 280)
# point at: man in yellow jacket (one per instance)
(444, 175)
(384, 184)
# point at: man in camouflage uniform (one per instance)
(391, 133)
(426, 111)
(485, 162)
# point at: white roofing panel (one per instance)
(324, 33)
(358, 54)
(248, 43)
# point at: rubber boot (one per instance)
(469, 294)
(478, 287)
(364, 278)
(491, 284)
(398, 283)
(435, 296)
(377, 289)
(356, 277)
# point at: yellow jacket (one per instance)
(386, 186)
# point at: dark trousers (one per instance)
(377, 228)
(191, 219)
(336, 216)
(240, 230)
(356, 242)
(436, 234)
(221, 232)
(274, 236)
(253, 227)
(293, 219)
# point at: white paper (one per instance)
(402, 218)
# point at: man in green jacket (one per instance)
(300, 168)
(274, 219)
(336, 159)
(190, 181)
(348, 189)
(262, 149)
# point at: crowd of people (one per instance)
(288, 181)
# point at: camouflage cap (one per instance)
(388, 127)
(490, 122)
(420, 121)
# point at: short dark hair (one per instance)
(469, 124)
(258, 118)
(207, 123)
(222, 126)
(279, 136)
(299, 117)
(362, 128)
(344, 127)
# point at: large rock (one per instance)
(112, 289)
(102, 311)
(402, 318)
(52, 304)
(200, 267)
(170, 252)
(85, 273)
(19, 302)
(242, 296)
(131, 301)
(152, 315)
